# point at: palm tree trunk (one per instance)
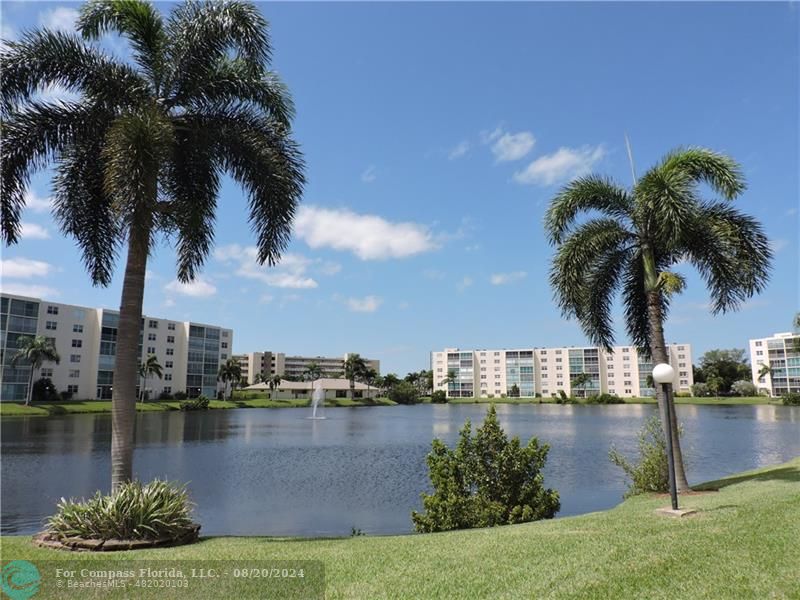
(126, 363)
(29, 396)
(658, 351)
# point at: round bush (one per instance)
(136, 511)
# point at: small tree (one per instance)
(150, 366)
(486, 480)
(230, 372)
(404, 393)
(744, 388)
(581, 380)
(700, 390)
(313, 371)
(651, 473)
(35, 351)
(514, 392)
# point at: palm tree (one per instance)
(764, 370)
(370, 377)
(274, 382)
(313, 371)
(354, 367)
(143, 150)
(150, 366)
(35, 351)
(230, 371)
(581, 380)
(451, 377)
(639, 235)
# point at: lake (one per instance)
(276, 472)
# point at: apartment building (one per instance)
(267, 364)
(546, 371)
(86, 338)
(781, 355)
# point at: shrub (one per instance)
(165, 396)
(200, 403)
(486, 480)
(791, 399)
(439, 397)
(404, 393)
(682, 394)
(562, 398)
(605, 399)
(744, 388)
(44, 391)
(651, 473)
(65, 395)
(135, 511)
(180, 396)
(701, 390)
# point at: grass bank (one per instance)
(741, 544)
(14, 409)
(721, 401)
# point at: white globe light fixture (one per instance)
(663, 373)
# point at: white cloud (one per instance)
(32, 231)
(60, 18)
(369, 237)
(778, 244)
(37, 204)
(369, 175)
(289, 273)
(504, 278)
(490, 136)
(330, 268)
(458, 151)
(464, 283)
(564, 164)
(199, 288)
(24, 268)
(513, 146)
(32, 291)
(366, 304)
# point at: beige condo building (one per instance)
(781, 354)
(268, 364)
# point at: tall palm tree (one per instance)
(370, 377)
(313, 371)
(35, 351)
(581, 380)
(229, 371)
(354, 367)
(274, 383)
(144, 149)
(150, 366)
(451, 377)
(637, 235)
(764, 370)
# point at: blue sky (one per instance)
(435, 135)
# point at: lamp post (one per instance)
(664, 374)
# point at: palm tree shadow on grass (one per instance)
(789, 473)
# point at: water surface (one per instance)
(276, 472)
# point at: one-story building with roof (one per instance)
(334, 388)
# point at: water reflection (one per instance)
(275, 472)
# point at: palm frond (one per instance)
(84, 211)
(137, 20)
(259, 153)
(30, 137)
(577, 256)
(722, 173)
(731, 253)
(43, 58)
(592, 193)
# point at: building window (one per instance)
(167, 376)
(74, 373)
(152, 324)
(170, 339)
(151, 337)
(50, 325)
(48, 372)
(625, 350)
(224, 344)
(151, 350)
(74, 358)
(73, 389)
(681, 348)
(759, 353)
(758, 343)
(167, 389)
(168, 364)
(77, 343)
(223, 356)
(224, 334)
(52, 310)
(77, 328)
(171, 326)
(170, 351)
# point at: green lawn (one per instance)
(743, 543)
(14, 409)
